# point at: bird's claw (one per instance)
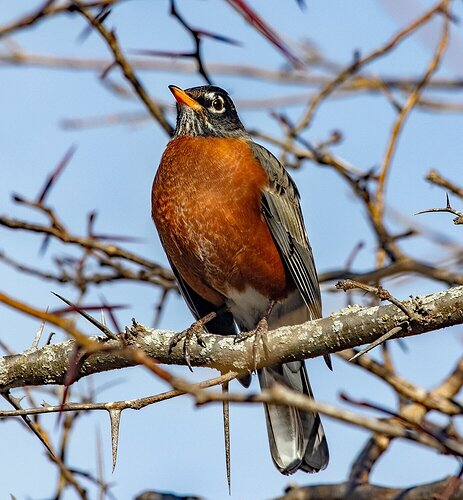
(260, 335)
(194, 331)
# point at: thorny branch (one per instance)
(448, 208)
(351, 327)
(361, 62)
(127, 70)
(346, 329)
(104, 253)
(378, 207)
(37, 429)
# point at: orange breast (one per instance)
(206, 207)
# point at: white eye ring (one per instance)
(218, 105)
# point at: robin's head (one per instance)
(206, 111)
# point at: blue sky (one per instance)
(174, 446)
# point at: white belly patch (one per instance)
(249, 306)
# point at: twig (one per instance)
(459, 215)
(109, 334)
(402, 387)
(378, 206)
(436, 178)
(355, 85)
(197, 39)
(47, 10)
(282, 396)
(127, 70)
(58, 231)
(226, 434)
(260, 25)
(117, 406)
(360, 62)
(43, 438)
(381, 293)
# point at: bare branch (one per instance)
(360, 62)
(57, 230)
(459, 215)
(282, 396)
(436, 178)
(365, 491)
(378, 206)
(127, 70)
(403, 387)
(47, 10)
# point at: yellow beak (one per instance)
(183, 98)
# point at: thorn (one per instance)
(112, 317)
(44, 245)
(102, 318)
(15, 400)
(328, 361)
(115, 418)
(448, 201)
(377, 342)
(226, 434)
(17, 198)
(91, 222)
(51, 179)
(89, 318)
(401, 343)
(38, 335)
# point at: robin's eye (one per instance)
(218, 104)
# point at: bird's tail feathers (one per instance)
(296, 437)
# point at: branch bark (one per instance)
(348, 328)
(367, 491)
(347, 490)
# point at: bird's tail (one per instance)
(296, 437)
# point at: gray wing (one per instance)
(282, 211)
(297, 440)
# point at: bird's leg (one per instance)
(196, 330)
(259, 333)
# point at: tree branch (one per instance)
(348, 328)
(364, 491)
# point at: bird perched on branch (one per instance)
(229, 219)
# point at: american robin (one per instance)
(229, 218)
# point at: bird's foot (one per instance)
(196, 331)
(260, 335)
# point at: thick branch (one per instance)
(350, 327)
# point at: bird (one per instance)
(229, 218)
